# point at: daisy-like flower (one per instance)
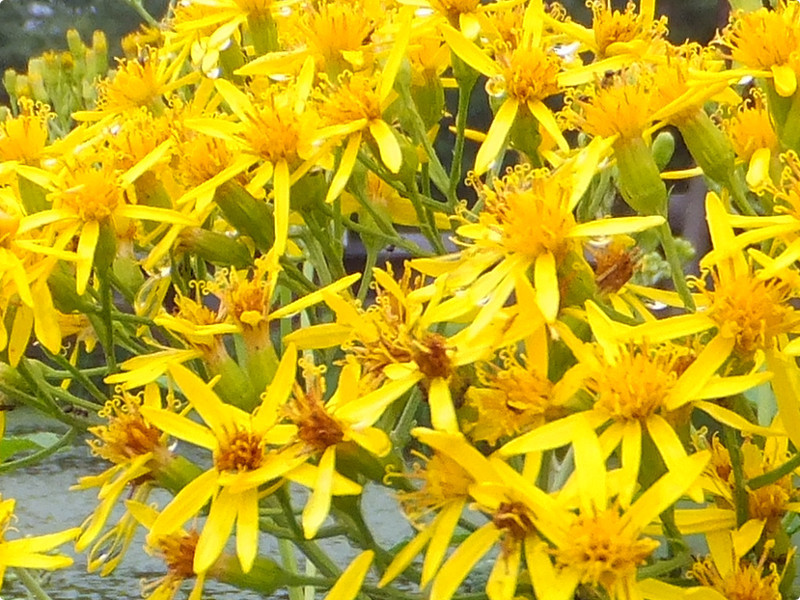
(752, 134)
(276, 129)
(528, 221)
(395, 342)
(87, 197)
(615, 33)
(30, 552)
(509, 501)
(177, 549)
(601, 545)
(242, 462)
(523, 75)
(767, 40)
(136, 449)
(444, 494)
(641, 388)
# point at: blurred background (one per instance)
(29, 27)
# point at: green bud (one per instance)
(100, 52)
(525, 136)
(36, 78)
(10, 81)
(709, 146)
(34, 196)
(129, 275)
(429, 99)
(663, 149)
(78, 51)
(106, 249)
(250, 216)
(62, 287)
(639, 178)
(216, 248)
(22, 88)
(464, 74)
(263, 33)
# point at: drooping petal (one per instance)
(216, 531)
(186, 504)
(282, 201)
(319, 504)
(247, 530)
(346, 164)
(389, 147)
(461, 562)
(496, 136)
(349, 583)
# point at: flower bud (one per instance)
(709, 146)
(639, 178)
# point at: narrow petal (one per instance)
(443, 414)
(461, 562)
(496, 136)
(389, 147)
(87, 243)
(442, 529)
(502, 582)
(614, 226)
(349, 583)
(214, 412)
(469, 52)
(180, 427)
(346, 164)
(590, 467)
(281, 186)
(546, 119)
(216, 531)
(545, 281)
(247, 530)
(186, 504)
(319, 504)
(702, 369)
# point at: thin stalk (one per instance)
(737, 461)
(79, 376)
(366, 278)
(774, 475)
(289, 561)
(312, 551)
(671, 254)
(464, 96)
(32, 585)
(107, 297)
(142, 12)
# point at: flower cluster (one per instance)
(191, 275)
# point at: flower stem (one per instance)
(671, 254)
(32, 585)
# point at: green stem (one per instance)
(32, 585)
(78, 375)
(312, 551)
(34, 458)
(140, 9)
(464, 97)
(289, 561)
(438, 174)
(366, 279)
(107, 297)
(739, 195)
(678, 277)
(774, 475)
(737, 462)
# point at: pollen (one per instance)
(599, 550)
(127, 435)
(745, 582)
(178, 550)
(23, 138)
(510, 401)
(750, 127)
(751, 310)
(515, 519)
(354, 97)
(622, 104)
(92, 193)
(636, 385)
(276, 131)
(432, 358)
(614, 26)
(765, 38)
(530, 74)
(241, 450)
(315, 425)
(529, 210)
(443, 480)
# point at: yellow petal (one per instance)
(349, 583)
(785, 80)
(216, 531)
(496, 136)
(546, 119)
(590, 467)
(247, 530)
(186, 504)
(502, 582)
(45, 318)
(614, 226)
(469, 52)
(319, 504)
(545, 281)
(282, 203)
(389, 147)
(463, 560)
(346, 164)
(87, 243)
(443, 414)
(703, 368)
(442, 528)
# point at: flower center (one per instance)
(745, 582)
(601, 552)
(530, 74)
(243, 450)
(431, 357)
(765, 38)
(178, 550)
(515, 519)
(315, 425)
(92, 193)
(636, 385)
(127, 435)
(443, 480)
(355, 97)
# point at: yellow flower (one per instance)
(177, 549)
(275, 128)
(616, 33)
(136, 449)
(89, 196)
(242, 462)
(24, 138)
(640, 388)
(602, 544)
(29, 552)
(752, 134)
(523, 75)
(767, 39)
(437, 505)
(528, 221)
